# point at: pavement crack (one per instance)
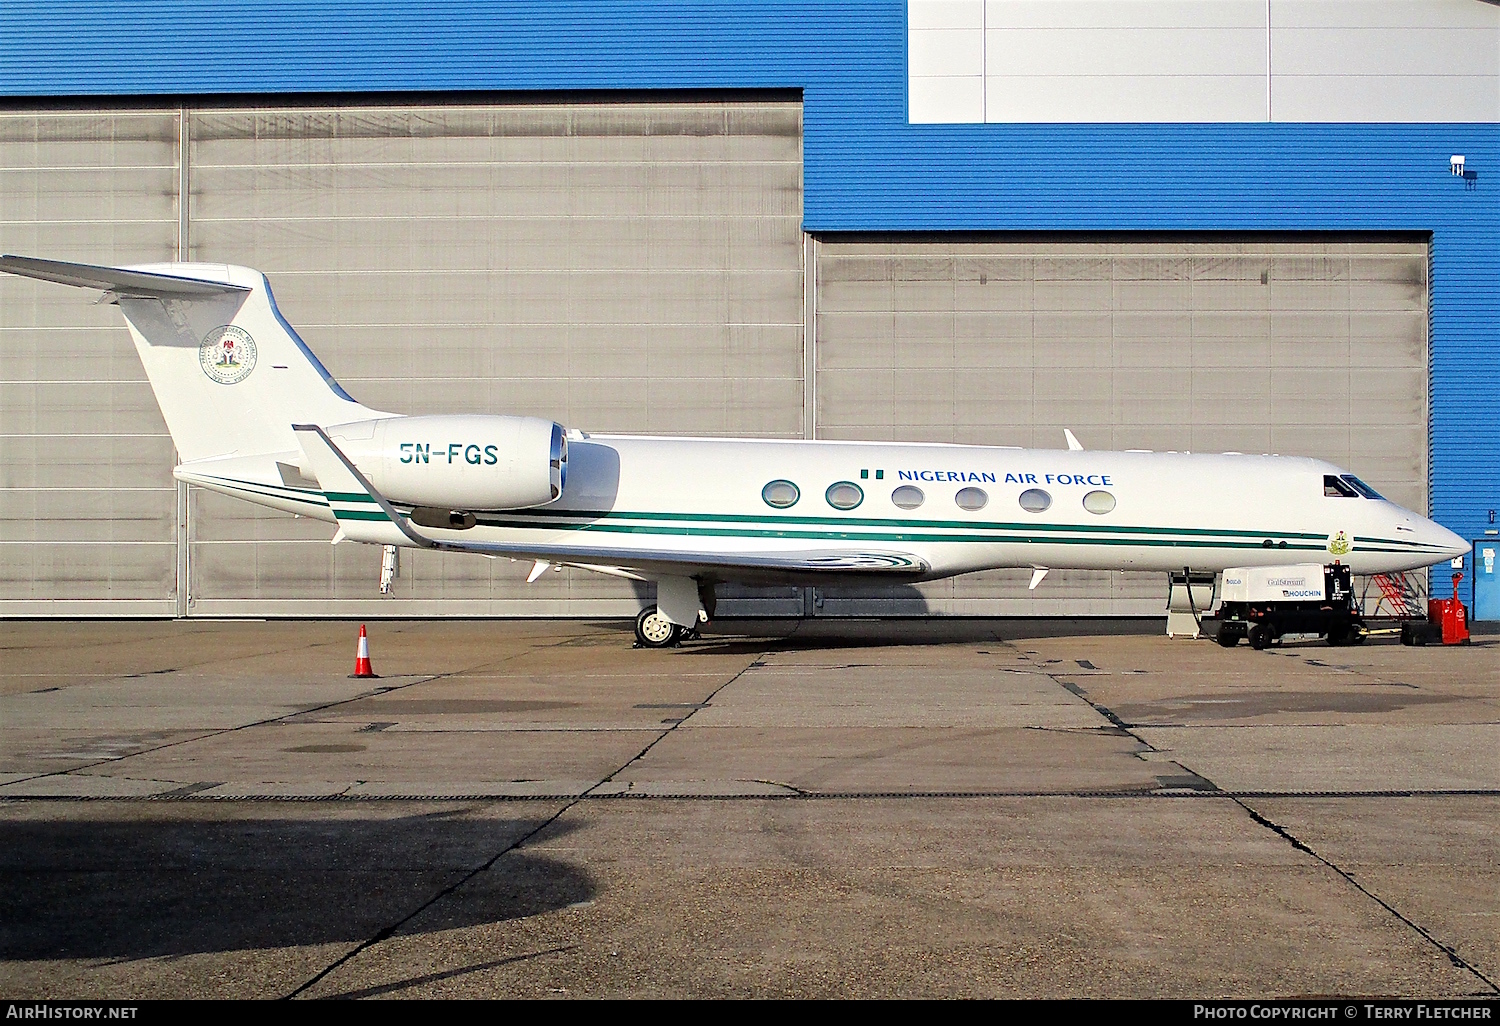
(220, 733)
(1042, 667)
(1454, 958)
(284, 717)
(417, 981)
(1188, 780)
(673, 724)
(386, 932)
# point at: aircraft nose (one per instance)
(1451, 545)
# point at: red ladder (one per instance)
(1393, 588)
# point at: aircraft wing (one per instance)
(366, 515)
(831, 561)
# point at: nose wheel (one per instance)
(652, 630)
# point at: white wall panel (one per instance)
(1122, 98)
(1207, 60)
(1125, 14)
(1129, 52)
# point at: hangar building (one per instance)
(1194, 225)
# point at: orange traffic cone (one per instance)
(362, 666)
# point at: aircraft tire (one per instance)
(1260, 638)
(1228, 638)
(652, 630)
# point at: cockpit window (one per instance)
(1337, 488)
(1362, 488)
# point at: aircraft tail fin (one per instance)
(230, 374)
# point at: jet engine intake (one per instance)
(459, 462)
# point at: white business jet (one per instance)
(253, 414)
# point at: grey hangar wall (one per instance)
(633, 265)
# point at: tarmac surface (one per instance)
(834, 808)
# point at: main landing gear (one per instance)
(652, 630)
(689, 600)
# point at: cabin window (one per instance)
(972, 498)
(844, 495)
(1099, 502)
(1362, 488)
(780, 494)
(908, 497)
(1034, 500)
(1335, 487)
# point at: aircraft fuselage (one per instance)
(960, 511)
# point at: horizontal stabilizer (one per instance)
(119, 280)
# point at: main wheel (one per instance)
(1260, 637)
(1228, 638)
(652, 630)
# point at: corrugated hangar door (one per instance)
(616, 266)
(1310, 345)
(88, 507)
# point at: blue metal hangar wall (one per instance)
(1210, 224)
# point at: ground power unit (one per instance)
(1264, 603)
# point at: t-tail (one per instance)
(230, 374)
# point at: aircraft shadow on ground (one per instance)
(108, 887)
(733, 636)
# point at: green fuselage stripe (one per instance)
(360, 514)
(857, 529)
(901, 536)
(909, 524)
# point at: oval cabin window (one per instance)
(844, 495)
(908, 497)
(1098, 502)
(972, 498)
(780, 494)
(1034, 500)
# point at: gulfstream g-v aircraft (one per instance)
(253, 414)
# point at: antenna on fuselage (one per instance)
(1074, 445)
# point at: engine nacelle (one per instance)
(459, 461)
